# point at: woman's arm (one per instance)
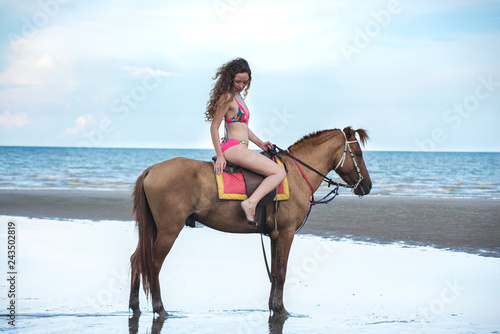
(220, 164)
(263, 145)
(214, 133)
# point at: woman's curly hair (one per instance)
(225, 81)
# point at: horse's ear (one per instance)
(348, 132)
(351, 134)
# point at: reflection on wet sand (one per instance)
(156, 326)
(275, 324)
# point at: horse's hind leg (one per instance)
(163, 244)
(135, 285)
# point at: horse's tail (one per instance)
(141, 262)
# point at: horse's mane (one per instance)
(313, 138)
(317, 137)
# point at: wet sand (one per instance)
(471, 225)
(74, 277)
(332, 285)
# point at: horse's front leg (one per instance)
(280, 249)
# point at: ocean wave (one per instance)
(97, 184)
(56, 176)
(487, 184)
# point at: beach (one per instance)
(465, 224)
(372, 265)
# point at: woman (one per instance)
(226, 103)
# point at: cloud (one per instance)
(30, 68)
(146, 71)
(45, 62)
(8, 85)
(81, 64)
(81, 124)
(10, 120)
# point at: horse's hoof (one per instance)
(281, 313)
(162, 313)
(136, 312)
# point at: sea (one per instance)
(215, 282)
(417, 174)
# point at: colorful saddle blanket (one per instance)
(237, 183)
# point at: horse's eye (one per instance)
(359, 154)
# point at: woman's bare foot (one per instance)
(249, 210)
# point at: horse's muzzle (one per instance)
(363, 188)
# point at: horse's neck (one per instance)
(320, 156)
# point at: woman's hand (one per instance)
(219, 165)
(266, 146)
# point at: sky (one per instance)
(417, 75)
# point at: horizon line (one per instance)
(192, 148)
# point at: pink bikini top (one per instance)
(241, 116)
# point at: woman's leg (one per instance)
(256, 162)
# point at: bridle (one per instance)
(342, 160)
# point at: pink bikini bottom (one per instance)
(227, 143)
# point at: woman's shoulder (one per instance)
(226, 97)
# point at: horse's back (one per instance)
(178, 180)
(176, 170)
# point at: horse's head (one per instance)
(350, 165)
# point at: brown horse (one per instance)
(179, 191)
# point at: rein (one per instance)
(327, 199)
